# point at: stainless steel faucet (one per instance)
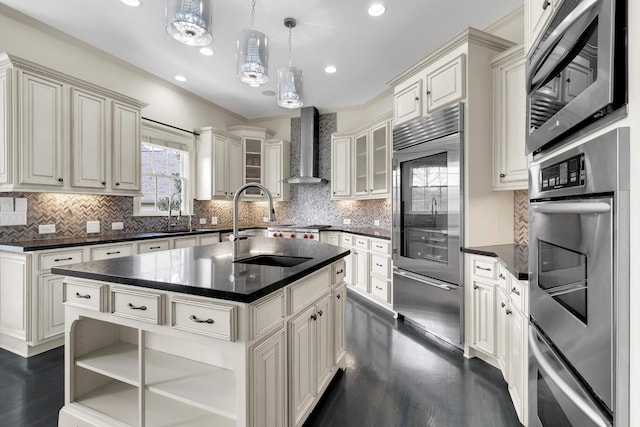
(272, 213)
(169, 225)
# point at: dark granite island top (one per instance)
(514, 257)
(209, 271)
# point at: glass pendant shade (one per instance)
(252, 58)
(189, 21)
(290, 87)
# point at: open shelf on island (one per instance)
(118, 361)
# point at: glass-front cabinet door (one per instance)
(380, 160)
(361, 165)
(252, 165)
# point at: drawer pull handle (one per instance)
(378, 246)
(475, 286)
(483, 268)
(195, 319)
(113, 253)
(155, 247)
(79, 295)
(515, 291)
(378, 288)
(508, 312)
(314, 317)
(379, 265)
(339, 272)
(63, 259)
(501, 276)
(133, 307)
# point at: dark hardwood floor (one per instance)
(395, 377)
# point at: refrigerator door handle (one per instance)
(420, 279)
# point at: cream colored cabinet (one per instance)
(483, 317)
(70, 135)
(111, 251)
(15, 299)
(407, 102)
(518, 361)
(339, 297)
(330, 237)
(444, 83)
(50, 306)
(537, 14)
(368, 173)
(268, 385)
(380, 270)
(502, 331)
(510, 163)
(218, 156)
(277, 153)
(253, 146)
(340, 167)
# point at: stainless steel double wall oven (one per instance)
(579, 285)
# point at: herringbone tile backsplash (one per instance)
(521, 217)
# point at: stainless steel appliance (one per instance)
(290, 231)
(577, 72)
(427, 226)
(579, 285)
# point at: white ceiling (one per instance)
(367, 51)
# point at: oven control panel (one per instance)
(568, 173)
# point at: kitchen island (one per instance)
(189, 337)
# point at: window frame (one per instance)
(164, 136)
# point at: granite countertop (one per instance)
(378, 233)
(514, 257)
(209, 271)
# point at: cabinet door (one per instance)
(185, 242)
(339, 313)
(235, 176)
(510, 161)
(324, 342)
(273, 169)
(221, 166)
(407, 103)
(126, 148)
(5, 139)
(14, 295)
(268, 399)
(483, 334)
(341, 167)
(380, 157)
(360, 166)
(50, 306)
(41, 132)
(536, 16)
(361, 270)
(253, 167)
(302, 363)
(518, 360)
(502, 332)
(88, 138)
(445, 84)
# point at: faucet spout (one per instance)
(236, 198)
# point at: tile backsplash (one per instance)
(521, 217)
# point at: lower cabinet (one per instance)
(518, 362)
(483, 317)
(268, 382)
(502, 332)
(50, 306)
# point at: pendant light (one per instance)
(189, 21)
(290, 78)
(252, 54)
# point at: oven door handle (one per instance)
(581, 208)
(420, 279)
(578, 400)
(554, 38)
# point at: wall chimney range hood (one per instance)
(309, 148)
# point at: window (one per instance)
(165, 169)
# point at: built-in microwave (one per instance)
(577, 72)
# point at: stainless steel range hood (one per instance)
(309, 148)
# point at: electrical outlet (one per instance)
(117, 226)
(376, 222)
(346, 221)
(203, 221)
(214, 220)
(46, 228)
(93, 226)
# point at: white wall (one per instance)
(510, 26)
(28, 39)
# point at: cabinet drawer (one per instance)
(484, 268)
(503, 278)
(381, 246)
(60, 258)
(361, 243)
(338, 272)
(143, 306)
(347, 240)
(380, 265)
(518, 293)
(111, 252)
(204, 318)
(157, 245)
(380, 289)
(210, 239)
(185, 242)
(92, 296)
(308, 290)
(267, 314)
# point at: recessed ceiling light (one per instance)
(133, 3)
(180, 78)
(207, 51)
(376, 9)
(330, 69)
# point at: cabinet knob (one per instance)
(545, 4)
(314, 317)
(428, 92)
(417, 98)
(103, 183)
(508, 312)
(60, 180)
(502, 175)
(502, 305)
(117, 184)
(475, 286)
(338, 296)
(319, 312)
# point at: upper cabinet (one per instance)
(361, 162)
(510, 163)
(62, 134)
(217, 155)
(253, 144)
(277, 153)
(407, 101)
(537, 14)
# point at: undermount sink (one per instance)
(274, 260)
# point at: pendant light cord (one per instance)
(253, 13)
(289, 46)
